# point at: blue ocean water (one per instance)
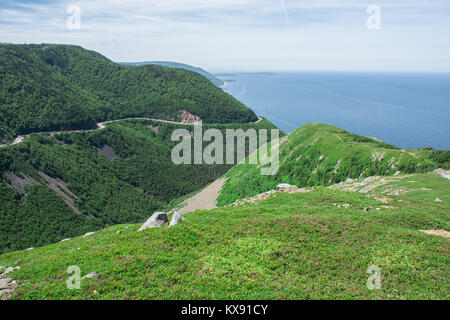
(409, 110)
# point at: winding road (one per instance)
(100, 126)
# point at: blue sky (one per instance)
(245, 35)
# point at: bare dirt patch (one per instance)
(19, 183)
(204, 200)
(61, 189)
(155, 129)
(108, 152)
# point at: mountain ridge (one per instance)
(178, 65)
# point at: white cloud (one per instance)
(243, 34)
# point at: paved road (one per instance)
(100, 126)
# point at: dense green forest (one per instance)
(321, 155)
(170, 64)
(120, 174)
(49, 87)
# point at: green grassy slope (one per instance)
(315, 245)
(319, 154)
(137, 179)
(47, 87)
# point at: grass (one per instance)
(290, 246)
(321, 155)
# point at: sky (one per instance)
(244, 35)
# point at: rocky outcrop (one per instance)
(7, 285)
(444, 173)
(186, 117)
(156, 220)
(176, 218)
(284, 187)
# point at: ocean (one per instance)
(408, 110)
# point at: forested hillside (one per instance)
(170, 64)
(64, 185)
(321, 155)
(52, 87)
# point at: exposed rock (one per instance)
(155, 129)
(28, 249)
(176, 218)
(186, 117)
(441, 233)
(64, 240)
(156, 220)
(88, 234)
(378, 156)
(60, 188)
(438, 200)
(90, 275)
(4, 283)
(444, 173)
(7, 270)
(19, 183)
(284, 187)
(255, 199)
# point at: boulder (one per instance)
(284, 187)
(4, 283)
(156, 220)
(177, 217)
